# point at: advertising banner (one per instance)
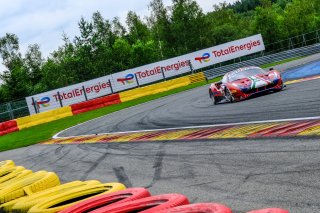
(227, 51)
(145, 74)
(69, 95)
(150, 73)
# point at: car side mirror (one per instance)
(218, 84)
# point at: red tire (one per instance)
(271, 210)
(108, 200)
(147, 205)
(199, 207)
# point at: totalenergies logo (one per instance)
(44, 102)
(128, 79)
(205, 57)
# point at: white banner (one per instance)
(70, 95)
(145, 74)
(227, 51)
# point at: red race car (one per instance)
(243, 83)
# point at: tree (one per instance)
(118, 29)
(269, 21)
(61, 69)
(226, 25)
(187, 28)
(302, 16)
(16, 81)
(137, 29)
(33, 62)
(161, 28)
(121, 55)
(144, 53)
(9, 50)
(244, 6)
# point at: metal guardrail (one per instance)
(298, 52)
(14, 109)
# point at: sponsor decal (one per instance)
(147, 73)
(79, 92)
(236, 48)
(157, 70)
(205, 57)
(126, 80)
(44, 102)
(177, 66)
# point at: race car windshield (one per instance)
(236, 75)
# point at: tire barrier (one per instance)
(61, 201)
(8, 127)
(151, 204)
(12, 175)
(43, 117)
(28, 185)
(154, 89)
(270, 210)
(22, 191)
(108, 200)
(23, 204)
(95, 104)
(6, 163)
(199, 207)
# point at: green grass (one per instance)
(45, 131)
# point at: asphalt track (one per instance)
(194, 107)
(243, 174)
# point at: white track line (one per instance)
(194, 127)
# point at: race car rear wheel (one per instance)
(229, 95)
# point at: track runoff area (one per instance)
(259, 153)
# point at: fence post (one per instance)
(290, 44)
(9, 108)
(304, 42)
(164, 77)
(110, 86)
(60, 101)
(191, 67)
(135, 76)
(35, 105)
(84, 92)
